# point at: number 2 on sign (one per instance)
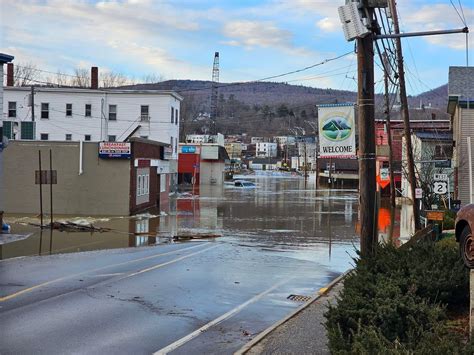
(440, 187)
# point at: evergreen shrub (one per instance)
(398, 302)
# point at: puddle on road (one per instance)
(281, 213)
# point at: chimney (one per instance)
(10, 75)
(94, 78)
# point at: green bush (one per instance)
(397, 302)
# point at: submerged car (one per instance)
(465, 234)
(244, 184)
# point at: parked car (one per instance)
(465, 234)
(244, 184)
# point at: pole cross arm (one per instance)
(424, 33)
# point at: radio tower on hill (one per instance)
(215, 82)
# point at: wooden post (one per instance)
(51, 185)
(367, 183)
(389, 136)
(405, 115)
(41, 188)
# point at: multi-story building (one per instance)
(267, 150)
(92, 114)
(461, 109)
(234, 150)
(4, 58)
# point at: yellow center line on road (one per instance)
(32, 288)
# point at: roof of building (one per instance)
(95, 91)
(438, 136)
(460, 86)
(461, 82)
(148, 141)
(5, 58)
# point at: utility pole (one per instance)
(366, 110)
(389, 131)
(405, 115)
(32, 103)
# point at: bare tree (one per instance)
(81, 78)
(430, 163)
(111, 79)
(152, 78)
(25, 74)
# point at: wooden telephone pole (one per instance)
(389, 132)
(405, 115)
(366, 110)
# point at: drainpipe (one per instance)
(469, 159)
(81, 147)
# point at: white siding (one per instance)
(466, 127)
(158, 128)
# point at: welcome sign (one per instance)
(336, 131)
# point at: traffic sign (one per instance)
(441, 177)
(440, 187)
(418, 192)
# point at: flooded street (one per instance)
(280, 214)
(151, 293)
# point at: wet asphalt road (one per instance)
(183, 298)
(142, 300)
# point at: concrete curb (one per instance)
(270, 329)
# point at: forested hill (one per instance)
(242, 107)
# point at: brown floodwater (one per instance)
(281, 213)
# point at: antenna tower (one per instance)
(215, 82)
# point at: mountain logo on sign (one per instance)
(337, 129)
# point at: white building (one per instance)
(205, 138)
(266, 150)
(284, 140)
(74, 114)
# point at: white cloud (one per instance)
(257, 34)
(437, 17)
(83, 32)
(329, 24)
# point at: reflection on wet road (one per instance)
(209, 296)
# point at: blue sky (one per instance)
(177, 39)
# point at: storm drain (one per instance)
(299, 298)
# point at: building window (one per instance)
(112, 112)
(171, 143)
(143, 185)
(44, 136)
(69, 110)
(176, 117)
(69, 137)
(176, 146)
(87, 137)
(172, 115)
(44, 110)
(88, 112)
(112, 138)
(12, 109)
(144, 113)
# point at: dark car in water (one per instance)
(465, 234)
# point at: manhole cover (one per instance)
(299, 298)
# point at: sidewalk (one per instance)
(302, 332)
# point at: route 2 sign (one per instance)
(440, 177)
(440, 187)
